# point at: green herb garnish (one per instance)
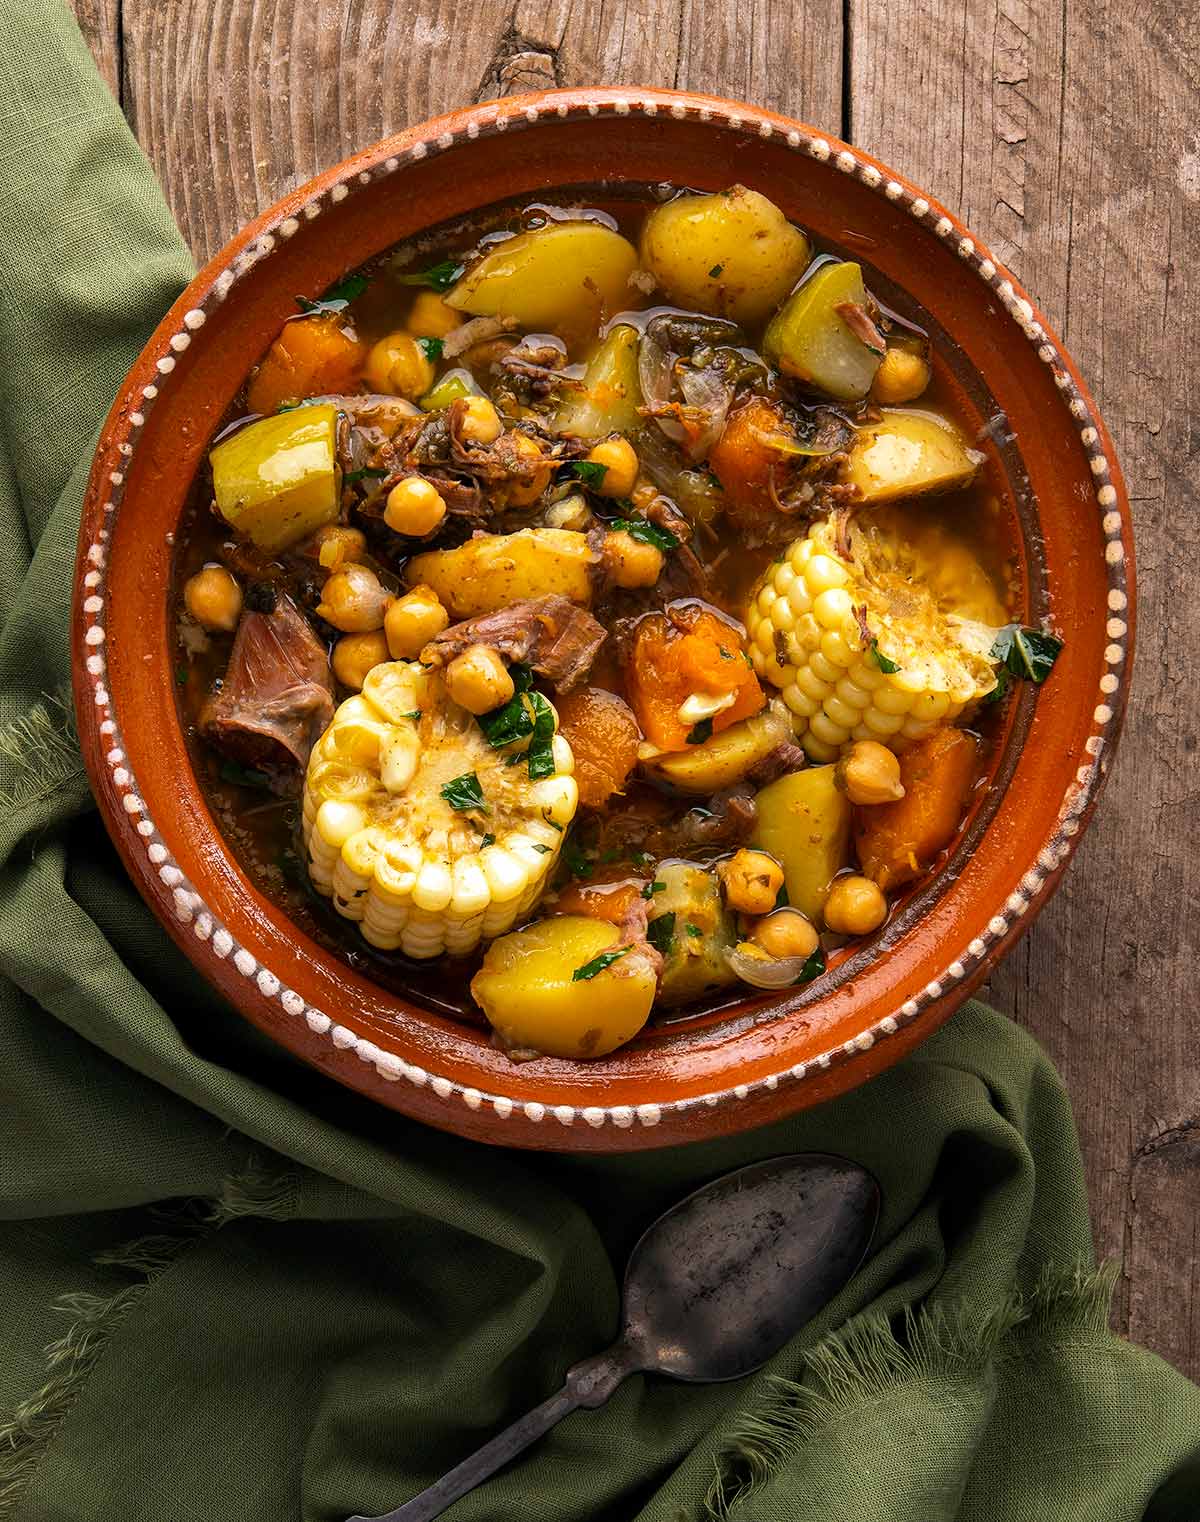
(440, 277)
(375, 471)
(885, 663)
(431, 348)
(514, 719)
(781, 898)
(590, 472)
(488, 840)
(338, 299)
(814, 967)
(700, 732)
(464, 792)
(715, 271)
(1028, 653)
(181, 675)
(541, 849)
(693, 930)
(661, 933)
(652, 888)
(640, 858)
(576, 862)
(648, 533)
(598, 964)
(242, 776)
(541, 748)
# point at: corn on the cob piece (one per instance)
(394, 853)
(829, 620)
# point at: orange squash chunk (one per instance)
(898, 841)
(313, 356)
(693, 651)
(603, 735)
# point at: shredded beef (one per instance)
(551, 634)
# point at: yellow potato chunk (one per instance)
(277, 481)
(907, 453)
(734, 254)
(563, 276)
(804, 822)
(495, 570)
(729, 754)
(529, 989)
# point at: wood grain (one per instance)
(1063, 134)
(1045, 144)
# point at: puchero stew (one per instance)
(598, 609)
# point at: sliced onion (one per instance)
(708, 395)
(654, 378)
(763, 971)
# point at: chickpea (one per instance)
(397, 366)
(214, 599)
(643, 493)
(786, 933)
(869, 773)
(478, 679)
(901, 377)
(430, 317)
(414, 507)
(855, 906)
(521, 491)
(412, 621)
(751, 880)
(481, 422)
(620, 460)
(353, 600)
(354, 655)
(572, 512)
(630, 562)
(337, 543)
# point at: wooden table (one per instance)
(1064, 135)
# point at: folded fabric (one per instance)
(234, 1290)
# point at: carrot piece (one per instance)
(599, 901)
(313, 356)
(692, 652)
(604, 736)
(896, 842)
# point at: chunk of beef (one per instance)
(277, 694)
(550, 634)
(656, 825)
(786, 757)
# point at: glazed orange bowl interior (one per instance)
(600, 618)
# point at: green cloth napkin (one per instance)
(232, 1289)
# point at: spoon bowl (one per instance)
(713, 1289)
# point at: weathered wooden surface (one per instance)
(1064, 135)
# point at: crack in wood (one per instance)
(1185, 1130)
(519, 63)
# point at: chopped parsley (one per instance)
(242, 776)
(440, 277)
(431, 348)
(464, 792)
(553, 823)
(715, 271)
(700, 732)
(693, 930)
(648, 533)
(488, 840)
(541, 849)
(514, 719)
(590, 472)
(575, 859)
(541, 747)
(652, 888)
(1028, 653)
(640, 858)
(413, 713)
(338, 299)
(598, 964)
(661, 933)
(781, 898)
(885, 663)
(181, 674)
(376, 472)
(814, 967)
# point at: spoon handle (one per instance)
(589, 1383)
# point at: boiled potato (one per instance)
(495, 570)
(694, 961)
(528, 989)
(734, 254)
(277, 481)
(610, 394)
(809, 340)
(560, 277)
(909, 452)
(725, 756)
(804, 822)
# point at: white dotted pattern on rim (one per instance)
(189, 907)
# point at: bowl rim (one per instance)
(211, 945)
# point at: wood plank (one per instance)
(1092, 202)
(100, 23)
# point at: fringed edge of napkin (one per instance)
(28, 1431)
(39, 754)
(867, 1360)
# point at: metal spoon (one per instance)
(713, 1288)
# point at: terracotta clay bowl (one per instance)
(770, 1054)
